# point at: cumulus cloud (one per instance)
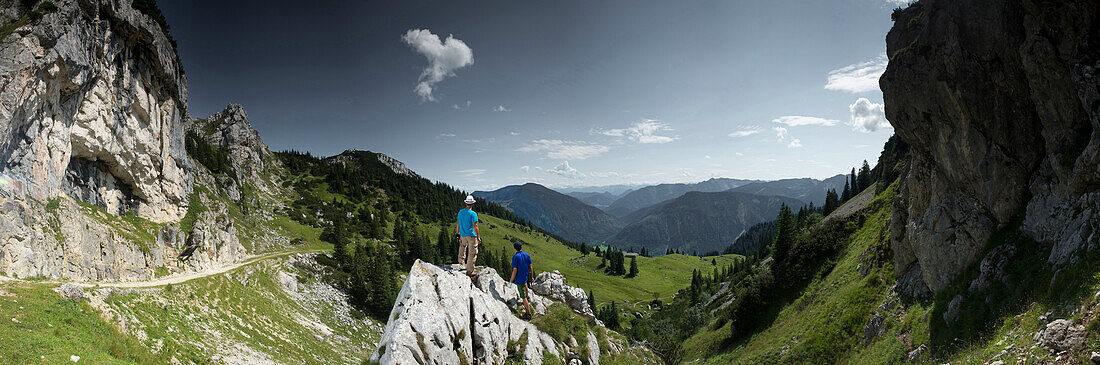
(744, 133)
(564, 150)
(565, 170)
(642, 132)
(795, 143)
(857, 78)
(781, 133)
(444, 57)
(501, 108)
(525, 168)
(867, 116)
(798, 120)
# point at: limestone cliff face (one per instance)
(250, 159)
(92, 103)
(94, 173)
(1000, 101)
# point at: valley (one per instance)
(135, 232)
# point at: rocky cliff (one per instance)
(443, 317)
(95, 178)
(1000, 101)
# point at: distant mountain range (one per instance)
(705, 216)
(599, 200)
(555, 212)
(651, 195)
(699, 221)
(805, 189)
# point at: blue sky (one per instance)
(566, 93)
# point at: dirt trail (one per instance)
(184, 277)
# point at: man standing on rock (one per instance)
(521, 267)
(467, 231)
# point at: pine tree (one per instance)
(442, 243)
(865, 178)
(339, 241)
(633, 267)
(847, 194)
(784, 236)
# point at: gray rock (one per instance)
(553, 285)
(490, 282)
(440, 314)
(916, 354)
(593, 349)
(1019, 138)
(954, 307)
(1061, 335)
(1095, 357)
(992, 268)
(71, 291)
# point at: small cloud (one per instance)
(444, 57)
(564, 150)
(467, 103)
(706, 157)
(798, 120)
(514, 133)
(686, 173)
(565, 170)
(739, 153)
(456, 107)
(860, 77)
(795, 143)
(525, 168)
(471, 172)
(641, 132)
(867, 116)
(861, 145)
(501, 108)
(744, 133)
(780, 132)
(446, 135)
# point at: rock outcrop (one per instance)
(1000, 102)
(249, 156)
(92, 103)
(95, 179)
(553, 285)
(441, 317)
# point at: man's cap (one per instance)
(470, 199)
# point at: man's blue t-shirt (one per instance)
(466, 219)
(521, 261)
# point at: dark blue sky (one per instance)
(596, 92)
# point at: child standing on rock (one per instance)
(521, 272)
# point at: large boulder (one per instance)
(1062, 335)
(1003, 122)
(442, 317)
(552, 284)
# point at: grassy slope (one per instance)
(662, 275)
(39, 326)
(826, 321)
(196, 320)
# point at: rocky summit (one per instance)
(444, 317)
(999, 101)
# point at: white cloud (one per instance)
(471, 172)
(455, 106)
(525, 168)
(795, 143)
(564, 150)
(514, 133)
(501, 108)
(780, 132)
(444, 57)
(739, 153)
(641, 132)
(798, 120)
(860, 77)
(706, 157)
(744, 133)
(565, 170)
(867, 116)
(446, 135)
